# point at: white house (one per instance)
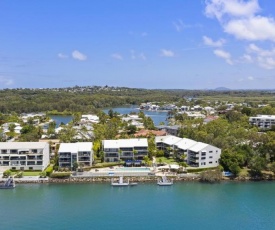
(80, 152)
(197, 154)
(24, 155)
(203, 155)
(125, 149)
(263, 121)
(89, 118)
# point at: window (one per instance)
(203, 158)
(210, 162)
(30, 168)
(203, 154)
(210, 151)
(210, 157)
(203, 163)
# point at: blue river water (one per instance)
(188, 205)
(156, 116)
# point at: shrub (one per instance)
(61, 175)
(7, 173)
(211, 176)
(49, 170)
(43, 174)
(19, 174)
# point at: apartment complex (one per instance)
(24, 155)
(197, 154)
(125, 149)
(263, 121)
(80, 152)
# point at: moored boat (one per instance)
(121, 183)
(8, 184)
(164, 181)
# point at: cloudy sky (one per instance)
(183, 44)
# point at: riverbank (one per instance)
(143, 179)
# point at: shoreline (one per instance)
(142, 180)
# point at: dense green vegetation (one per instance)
(77, 99)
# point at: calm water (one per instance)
(58, 119)
(157, 117)
(146, 206)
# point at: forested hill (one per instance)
(89, 99)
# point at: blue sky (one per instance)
(183, 44)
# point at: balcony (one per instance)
(84, 159)
(64, 156)
(111, 154)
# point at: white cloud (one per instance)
(223, 54)
(62, 56)
(79, 56)
(6, 81)
(209, 42)
(240, 19)
(255, 28)
(179, 26)
(117, 56)
(265, 58)
(247, 58)
(135, 55)
(167, 53)
(236, 8)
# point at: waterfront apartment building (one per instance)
(263, 121)
(24, 155)
(197, 154)
(125, 149)
(80, 152)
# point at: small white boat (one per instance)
(8, 184)
(164, 181)
(121, 183)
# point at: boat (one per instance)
(164, 181)
(9, 183)
(121, 183)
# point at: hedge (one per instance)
(61, 175)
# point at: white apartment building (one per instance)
(125, 149)
(24, 155)
(263, 121)
(198, 154)
(80, 152)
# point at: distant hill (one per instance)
(222, 89)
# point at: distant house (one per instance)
(80, 152)
(197, 154)
(125, 149)
(172, 130)
(89, 118)
(263, 121)
(24, 155)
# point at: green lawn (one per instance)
(166, 160)
(31, 173)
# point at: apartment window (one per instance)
(210, 157)
(203, 163)
(203, 158)
(210, 162)
(203, 154)
(210, 151)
